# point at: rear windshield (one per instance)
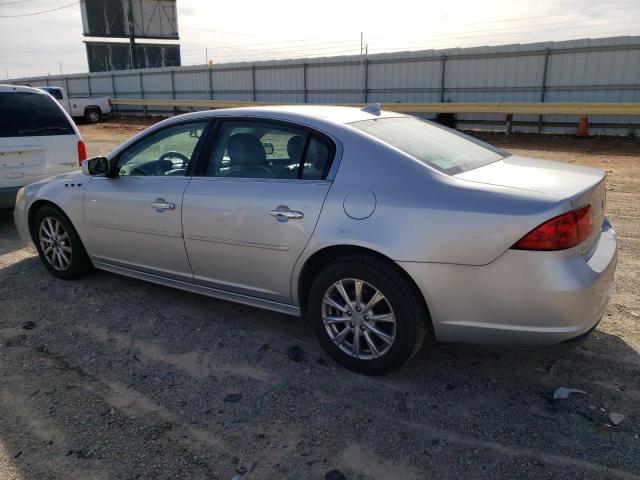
(447, 150)
(26, 114)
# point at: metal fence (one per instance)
(590, 70)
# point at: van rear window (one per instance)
(26, 114)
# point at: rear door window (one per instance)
(262, 149)
(26, 114)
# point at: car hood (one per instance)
(561, 180)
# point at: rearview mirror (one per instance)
(95, 166)
(268, 148)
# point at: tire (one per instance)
(401, 302)
(70, 245)
(92, 115)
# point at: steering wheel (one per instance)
(135, 171)
(165, 156)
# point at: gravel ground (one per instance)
(114, 378)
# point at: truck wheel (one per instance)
(92, 115)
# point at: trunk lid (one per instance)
(581, 185)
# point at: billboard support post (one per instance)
(132, 37)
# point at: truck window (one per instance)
(53, 91)
(26, 114)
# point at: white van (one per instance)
(37, 139)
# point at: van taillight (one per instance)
(82, 152)
(559, 233)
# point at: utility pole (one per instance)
(206, 56)
(60, 66)
(132, 36)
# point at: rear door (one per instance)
(36, 138)
(251, 212)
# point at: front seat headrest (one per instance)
(245, 149)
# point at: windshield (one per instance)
(447, 150)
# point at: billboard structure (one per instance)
(106, 56)
(130, 19)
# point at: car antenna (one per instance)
(372, 108)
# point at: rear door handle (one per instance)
(286, 215)
(160, 205)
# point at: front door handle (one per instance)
(160, 205)
(284, 214)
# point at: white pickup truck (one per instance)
(90, 108)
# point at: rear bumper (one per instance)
(522, 298)
(8, 197)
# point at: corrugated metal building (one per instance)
(589, 70)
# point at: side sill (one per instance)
(208, 291)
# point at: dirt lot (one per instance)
(114, 378)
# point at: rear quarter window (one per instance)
(26, 114)
(439, 147)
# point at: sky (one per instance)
(246, 30)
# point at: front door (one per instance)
(248, 220)
(134, 219)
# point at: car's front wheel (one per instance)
(59, 245)
(366, 314)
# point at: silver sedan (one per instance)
(381, 229)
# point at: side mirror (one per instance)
(268, 148)
(95, 166)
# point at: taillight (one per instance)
(561, 232)
(82, 152)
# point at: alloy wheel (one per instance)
(358, 318)
(55, 243)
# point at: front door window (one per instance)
(164, 153)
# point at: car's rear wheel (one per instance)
(366, 314)
(92, 115)
(59, 245)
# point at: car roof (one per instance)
(6, 88)
(327, 113)
(335, 113)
